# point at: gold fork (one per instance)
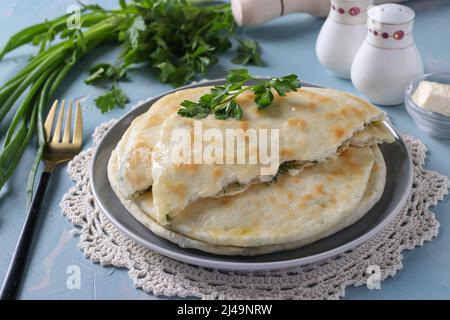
(62, 150)
(57, 151)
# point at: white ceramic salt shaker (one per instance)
(342, 35)
(388, 59)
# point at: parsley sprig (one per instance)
(115, 96)
(221, 100)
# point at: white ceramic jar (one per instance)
(342, 35)
(388, 59)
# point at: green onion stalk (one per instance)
(35, 84)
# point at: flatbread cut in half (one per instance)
(290, 213)
(314, 124)
(329, 137)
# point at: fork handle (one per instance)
(13, 279)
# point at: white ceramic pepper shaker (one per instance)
(388, 59)
(341, 35)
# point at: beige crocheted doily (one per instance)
(101, 242)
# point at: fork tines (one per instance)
(77, 132)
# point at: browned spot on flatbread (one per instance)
(321, 100)
(244, 125)
(154, 119)
(338, 133)
(349, 125)
(358, 113)
(345, 111)
(147, 198)
(273, 199)
(302, 205)
(338, 172)
(142, 143)
(242, 231)
(307, 197)
(312, 106)
(178, 188)
(309, 94)
(226, 201)
(330, 115)
(352, 112)
(319, 189)
(347, 153)
(138, 158)
(304, 200)
(193, 167)
(287, 153)
(218, 172)
(296, 123)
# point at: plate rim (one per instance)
(247, 266)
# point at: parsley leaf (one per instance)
(193, 110)
(238, 76)
(136, 27)
(229, 109)
(248, 53)
(105, 71)
(221, 100)
(263, 95)
(111, 98)
(285, 84)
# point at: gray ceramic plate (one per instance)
(397, 189)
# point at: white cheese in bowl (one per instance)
(433, 96)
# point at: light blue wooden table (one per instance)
(288, 46)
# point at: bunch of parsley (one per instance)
(179, 40)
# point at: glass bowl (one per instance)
(433, 123)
